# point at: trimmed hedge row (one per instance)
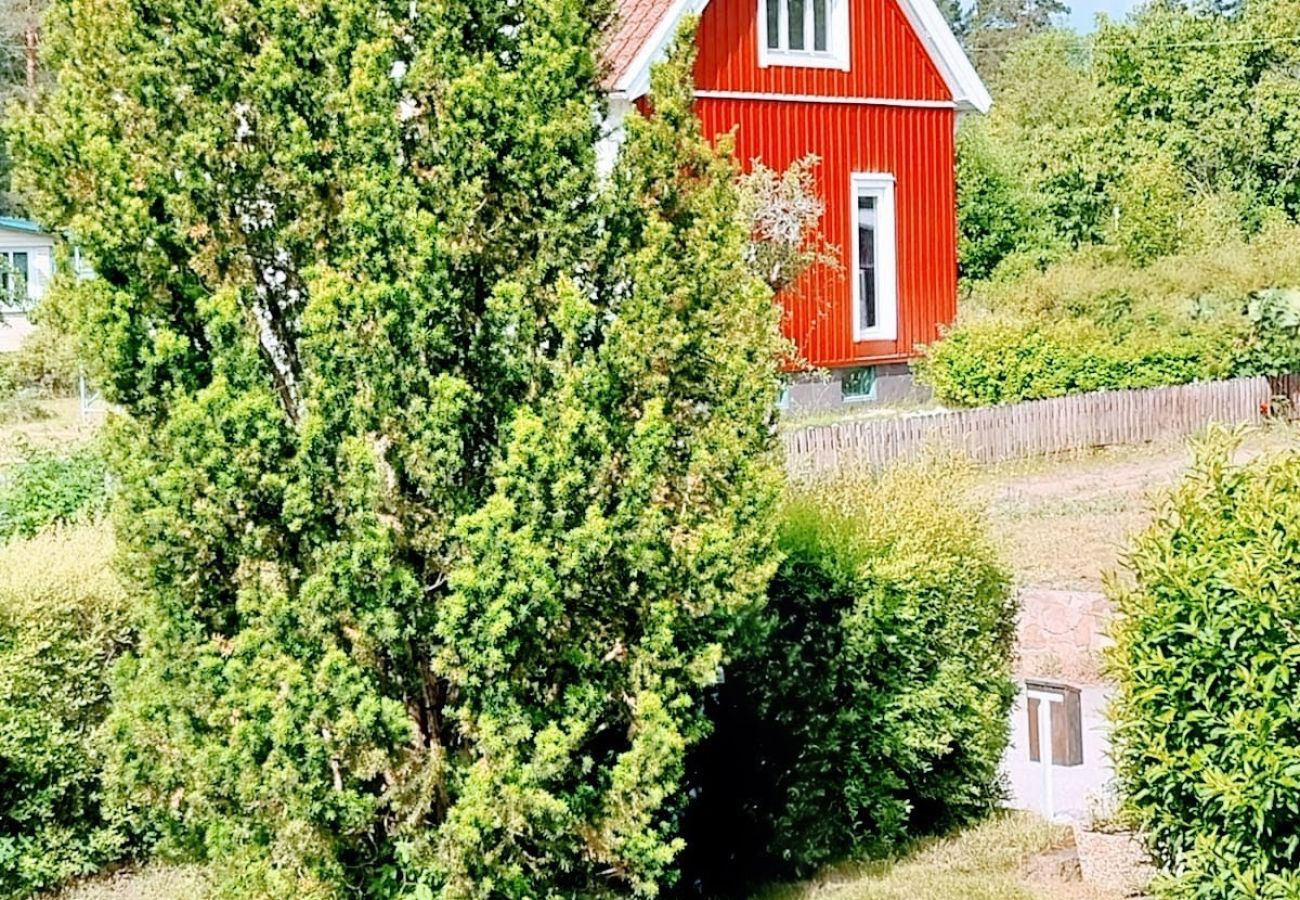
(998, 361)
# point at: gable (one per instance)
(900, 50)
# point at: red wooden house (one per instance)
(874, 88)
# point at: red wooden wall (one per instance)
(915, 144)
(887, 58)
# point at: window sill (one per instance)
(866, 337)
(776, 58)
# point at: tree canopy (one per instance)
(445, 468)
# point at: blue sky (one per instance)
(1082, 12)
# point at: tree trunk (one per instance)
(30, 40)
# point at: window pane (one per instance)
(797, 24)
(858, 384)
(868, 305)
(20, 272)
(819, 25)
(774, 24)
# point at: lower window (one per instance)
(858, 384)
(875, 269)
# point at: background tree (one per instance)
(20, 40)
(958, 17)
(994, 27)
(443, 478)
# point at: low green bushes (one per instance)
(873, 704)
(996, 361)
(1207, 663)
(1096, 322)
(63, 620)
(52, 487)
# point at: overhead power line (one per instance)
(1175, 45)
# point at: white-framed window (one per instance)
(875, 258)
(15, 266)
(811, 33)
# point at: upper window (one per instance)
(804, 33)
(875, 282)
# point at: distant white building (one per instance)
(26, 266)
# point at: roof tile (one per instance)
(634, 23)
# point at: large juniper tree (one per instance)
(445, 471)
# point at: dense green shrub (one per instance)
(52, 487)
(63, 619)
(1094, 321)
(874, 704)
(995, 216)
(995, 361)
(1207, 644)
(1274, 344)
(46, 363)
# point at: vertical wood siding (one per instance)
(916, 145)
(887, 58)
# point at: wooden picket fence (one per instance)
(1039, 427)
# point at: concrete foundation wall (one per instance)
(894, 386)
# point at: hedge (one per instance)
(874, 704)
(1207, 666)
(63, 620)
(998, 360)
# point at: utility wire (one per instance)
(1173, 45)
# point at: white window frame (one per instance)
(882, 186)
(836, 54)
(10, 300)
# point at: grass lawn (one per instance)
(986, 862)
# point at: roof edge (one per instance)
(14, 223)
(635, 80)
(930, 25)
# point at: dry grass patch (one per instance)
(986, 862)
(1063, 522)
(156, 882)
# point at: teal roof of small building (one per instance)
(15, 224)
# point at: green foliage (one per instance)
(46, 363)
(1051, 127)
(629, 529)
(874, 705)
(1275, 332)
(48, 487)
(1092, 321)
(995, 217)
(1128, 137)
(1215, 93)
(444, 470)
(1205, 661)
(63, 619)
(996, 361)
